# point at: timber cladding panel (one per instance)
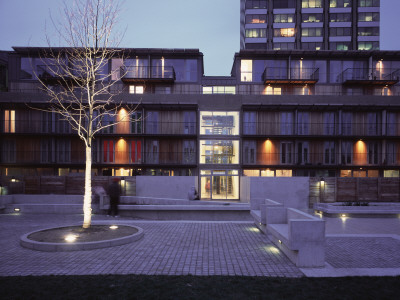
(32, 185)
(390, 189)
(368, 189)
(52, 184)
(66, 185)
(346, 189)
(75, 185)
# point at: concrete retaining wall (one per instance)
(175, 187)
(290, 191)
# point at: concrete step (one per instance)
(53, 199)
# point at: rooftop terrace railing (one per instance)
(148, 72)
(388, 76)
(307, 75)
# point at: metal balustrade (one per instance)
(315, 159)
(292, 75)
(148, 72)
(383, 76)
(320, 129)
(98, 157)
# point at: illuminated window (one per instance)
(136, 89)
(391, 173)
(251, 173)
(284, 32)
(268, 173)
(9, 121)
(284, 18)
(219, 123)
(271, 90)
(256, 33)
(311, 3)
(283, 173)
(246, 70)
(368, 17)
(345, 173)
(368, 31)
(219, 90)
(368, 45)
(219, 152)
(340, 3)
(256, 19)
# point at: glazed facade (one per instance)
(292, 113)
(310, 24)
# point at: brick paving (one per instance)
(363, 252)
(168, 248)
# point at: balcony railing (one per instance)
(99, 157)
(292, 76)
(157, 74)
(316, 159)
(125, 127)
(375, 77)
(318, 129)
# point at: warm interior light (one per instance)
(113, 227)
(70, 238)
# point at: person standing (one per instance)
(114, 191)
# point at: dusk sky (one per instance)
(210, 25)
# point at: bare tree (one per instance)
(77, 79)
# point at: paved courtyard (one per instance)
(356, 246)
(168, 248)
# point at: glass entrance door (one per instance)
(219, 184)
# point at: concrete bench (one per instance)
(299, 235)
(259, 212)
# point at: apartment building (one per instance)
(286, 113)
(310, 24)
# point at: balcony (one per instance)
(147, 74)
(299, 76)
(318, 159)
(360, 129)
(58, 75)
(361, 76)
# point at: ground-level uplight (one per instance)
(17, 209)
(70, 238)
(113, 227)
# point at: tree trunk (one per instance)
(87, 199)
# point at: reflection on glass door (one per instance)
(219, 184)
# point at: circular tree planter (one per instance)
(95, 237)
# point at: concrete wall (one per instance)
(290, 191)
(174, 187)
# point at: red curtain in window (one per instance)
(108, 151)
(136, 151)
